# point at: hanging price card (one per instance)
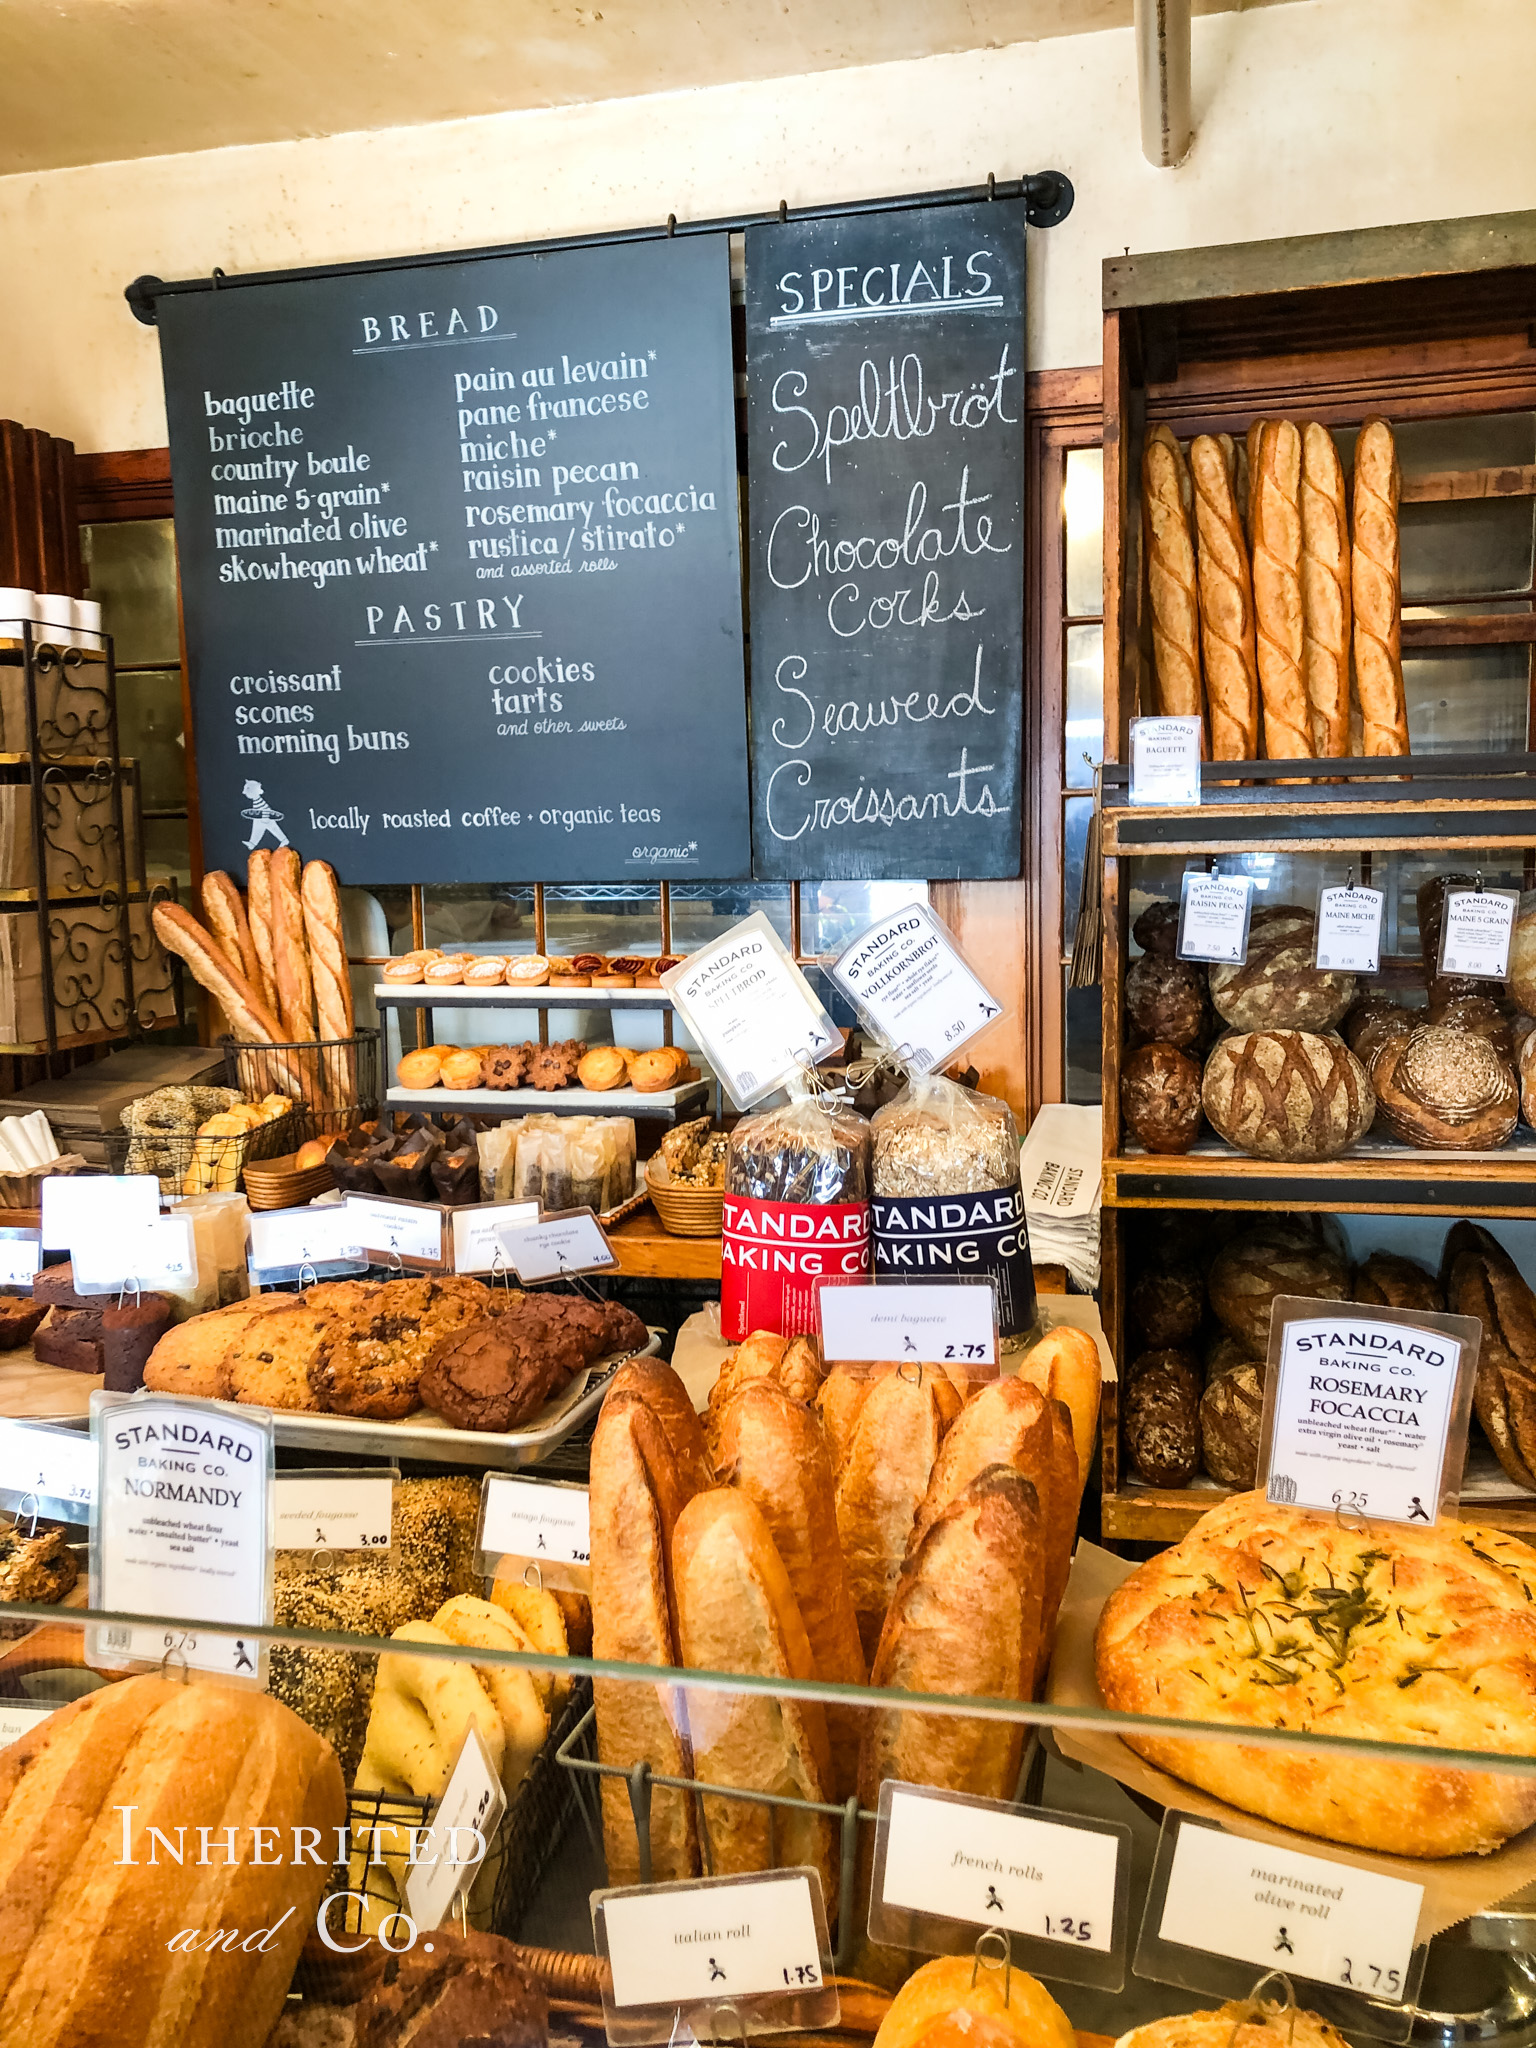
(751, 1009)
(52, 1472)
(1165, 760)
(1214, 911)
(1276, 1909)
(1475, 932)
(1349, 930)
(909, 980)
(443, 1859)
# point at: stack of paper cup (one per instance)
(16, 608)
(62, 621)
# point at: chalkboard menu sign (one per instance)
(886, 477)
(460, 566)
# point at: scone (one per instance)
(420, 1069)
(602, 1068)
(190, 1357)
(268, 1363)
(651, 1072)
(460, 1070)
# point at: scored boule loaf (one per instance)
(1160, 1096)
(1280, 986)
(1448, 1090)
(1522, 953)
(1247, 1274)
(1166, 1304)
(1287, 1094)
(1156, 929)
(1162, 1416)
(1166, 1000)
(1388, 1280)
(1225, 1353)
(1231, 1411)
(1482, 1280)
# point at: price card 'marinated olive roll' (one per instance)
(947, 1200)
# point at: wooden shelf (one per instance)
(1157, 1514)
(1375, 1175)
(647, 1252)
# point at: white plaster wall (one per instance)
(1317, 115)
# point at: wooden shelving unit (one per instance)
(1430, 323)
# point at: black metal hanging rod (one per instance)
(1048, 197)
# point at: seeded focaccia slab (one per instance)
(1273, 1618)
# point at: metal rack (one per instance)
(101, 974)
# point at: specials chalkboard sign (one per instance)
(886, 483)
(460, 566)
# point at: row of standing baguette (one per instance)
(274, 959)
(888, 1531)
(1261, 591)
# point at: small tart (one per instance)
(488, 971)
(446, 973)
(528, 970)
(407, 971)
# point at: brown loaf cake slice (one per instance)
(85, 1929)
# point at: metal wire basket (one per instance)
(186, 1164)
(336, 1080)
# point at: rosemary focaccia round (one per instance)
(1275, 1618)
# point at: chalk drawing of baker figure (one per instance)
(263, 818)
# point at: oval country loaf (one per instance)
(1280, 986)
(85, 1929)
(1287, 1094)
(1482, 1280)
(1231, 1410)
(1160, 1097)
(1391, 1281)
(1274, 1258)
(1413, 1635)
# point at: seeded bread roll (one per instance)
(1277, 592)
(1165, 498)
(1226, 604)
(1325, 591)
(1376, 581)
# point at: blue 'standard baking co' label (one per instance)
(970, 1237)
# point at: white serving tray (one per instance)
(420, 995)
(556, 1101)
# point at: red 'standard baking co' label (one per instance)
(775, 1257)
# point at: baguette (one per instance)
(637, 1495)
(1065, 1364)
(290, 955)
(1226, 603)
(1376, 578)
(736, 1611)
(1325, 603)
(1251, 442)
(321, 900)
(1060, 1537)
(1165, 498)
(773, 1450)
(1277, 592)
(659, 1387)
(226, 919)
(179, 932)
(259, 916)
(885, 1475)
(959, 1622)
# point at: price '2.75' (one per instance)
(958, 1351)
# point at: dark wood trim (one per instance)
(126, 483)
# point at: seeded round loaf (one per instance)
(1247, 1274)
(1445, 1089)
(1160, 1096)
(1388, 1280)
(1395, 1634)
(1166, 1000)
(1279, 986)
(1287, 1094)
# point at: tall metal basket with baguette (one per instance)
(334, 1082)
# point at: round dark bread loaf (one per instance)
(1160, 1097)
(1226, 1352)
(1162, 1417)
(1280, 986)
(1287, 1094)
(1156, 930)
(1482, 1280)
(1388, 1280)
(1481, 1015)
(1448, 1090)
(1430, 899)
(1231, 1410)
(1167, 1304)
(1166, 1000)
(1374, 1019)
(1522, 954)
(1247, 1274)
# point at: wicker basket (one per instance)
(336, 1080)
(684, 1212)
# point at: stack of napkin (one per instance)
(1059, 1170)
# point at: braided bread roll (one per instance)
(1324, 591)
(1165, 498)
(1376, 578)
(1277, 592)
(1226, 603)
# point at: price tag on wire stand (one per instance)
(160, 1253)
(1165, 761)
(571, 1242)
(407, 1233)
(1222, 1907)
(77, 1208)
(941, 1322)
(335, 1510)
(476, 1233)
(540, 1519)
(713, 1953)
(1349, 929)
(1214, 914)
(1475, 932)
(948, 1865)
(443, 1859)
(323, 1237)
(21, 1257)
(749, 1007)
(1366, 1409)
(913, 986)
(46, 1472)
